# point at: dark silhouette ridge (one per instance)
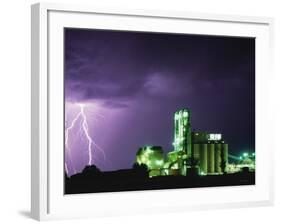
(92, 180)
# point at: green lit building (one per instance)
(182, 132)
(152, 157)
(211, 152)
(199, 152)
(175, 164)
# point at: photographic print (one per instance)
(148, 111)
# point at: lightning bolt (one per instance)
(84, 129)
(67, 130)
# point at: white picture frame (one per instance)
(47, 198)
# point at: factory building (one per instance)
(182, 132)
(152, 157)
(175, 164)
(200, 152)
(211, 152)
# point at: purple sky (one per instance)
(131, 84)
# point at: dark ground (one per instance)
(91, 180)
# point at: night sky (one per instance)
(131, 83)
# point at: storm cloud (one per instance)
(150, 75)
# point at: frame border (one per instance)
(40, 90)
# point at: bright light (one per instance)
(214, 137)
(159, 162)
(81, 105)
(245, 154)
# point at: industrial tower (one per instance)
(182, 132)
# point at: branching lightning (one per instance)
(84, 130)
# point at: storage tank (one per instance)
(225, 151)
(196, 151)
(218, 148)
(211, 158)
(203, 159)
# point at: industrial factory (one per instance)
(194, 153)
(198, 159)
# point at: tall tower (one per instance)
(182, 132)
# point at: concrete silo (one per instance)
(203, 163)
(196, 151)
(218, 148)
(225, 153)
(211, 157)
